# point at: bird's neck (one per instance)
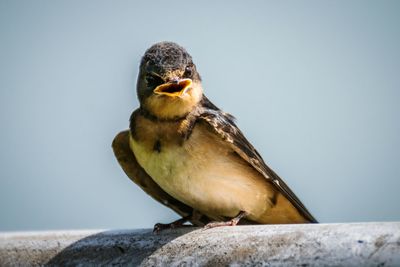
(143, 111)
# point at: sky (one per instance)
(314, 85)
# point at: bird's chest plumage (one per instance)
(173, 162)
(201, 171)
(163, 152)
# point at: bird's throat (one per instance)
(166, 107)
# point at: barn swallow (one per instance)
(190, 156)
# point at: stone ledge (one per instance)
(345, 244)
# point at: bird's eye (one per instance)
(153, 80)
(188, 72)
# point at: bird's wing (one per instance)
(138, 175)
(223, 124)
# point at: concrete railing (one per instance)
(355, 244)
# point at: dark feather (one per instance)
(223, 124)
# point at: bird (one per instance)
(190, 156)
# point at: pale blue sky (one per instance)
(314, 86)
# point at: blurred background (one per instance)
(314, 85)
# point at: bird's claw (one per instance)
(232, 222)
(158, 227)
(218, 224)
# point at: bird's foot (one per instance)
(158, 227)
(232, 222)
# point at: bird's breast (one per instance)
(202, 172)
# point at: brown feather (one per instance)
(225, 127)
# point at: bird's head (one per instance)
(168, 85)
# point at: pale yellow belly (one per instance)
(204, 174)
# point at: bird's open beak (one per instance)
(174, 89)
